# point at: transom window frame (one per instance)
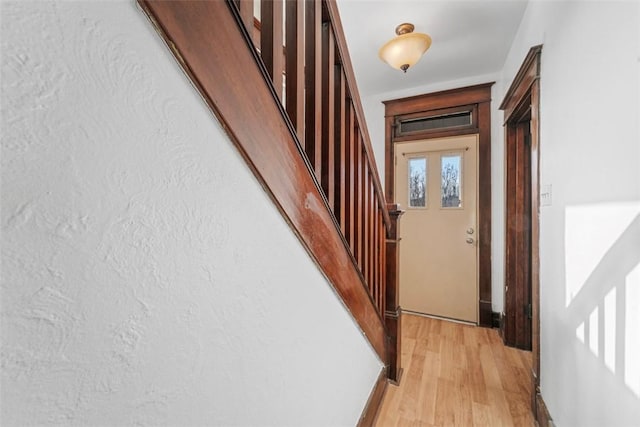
(400, 135)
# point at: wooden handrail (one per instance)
(298, 121)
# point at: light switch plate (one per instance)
(545, 195)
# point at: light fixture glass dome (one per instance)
(406, 49)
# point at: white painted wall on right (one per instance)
(590, 235)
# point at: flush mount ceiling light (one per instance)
(406, 49)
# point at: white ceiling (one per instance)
(470, 38)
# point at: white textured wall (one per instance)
(147, 279)
(590, 235)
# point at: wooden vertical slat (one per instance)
(350, 162)
(366, 215)
(374, 244)
(313, 84)
(328, 115)
(383, 264)
(378, 263)
(294, 64)
(359, 199)
(370, 224)
(340, 181)
(271, 41)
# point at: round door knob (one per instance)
(469, 240)
(469, 230)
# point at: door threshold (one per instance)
(433, 316)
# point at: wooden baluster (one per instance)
(370, 230)
(374, 257)
(313, 84)
(294, 64)
(383, 256)
(367, 218)
(340, 180)
(358, 214)
(328, 115)
(271, 41)
(350, 162)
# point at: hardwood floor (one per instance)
(457, 375)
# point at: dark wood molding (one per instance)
(413, 135)
(528, 73)
(438, 100)
(478, 97)
(523, 97)
(542, 413)
(216, 52)
(496, 320)
(372, 407)
(393, 318)
(341, 46)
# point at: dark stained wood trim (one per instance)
(413, 135)
(535, 229)
(439, 100)
(525, 89)
(542, 413)
(341, 47)
(367, 220)
(372, 407)
(478, 96)
(340, 180)
(246, 11)
(484, 212)
(313, 84)
(529, 72)
(393, 317)
(328, 114)
(496, 320)
(351, 165)
(215, 50)
(271, 40)
(294, 64)
(517, 325)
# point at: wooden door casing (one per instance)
(517, 321)
(478, 98)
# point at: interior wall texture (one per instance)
(590, 233)
(147, 278)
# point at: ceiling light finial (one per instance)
(406, 49)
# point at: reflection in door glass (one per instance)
(451, 191)
(418, 182)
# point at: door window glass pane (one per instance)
(418, 182)
(451, 182)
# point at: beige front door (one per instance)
(436, 183)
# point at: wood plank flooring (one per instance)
(457, 375)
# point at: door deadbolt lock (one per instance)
(469, 230)
(469, 240)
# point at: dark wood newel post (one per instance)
(392, 306)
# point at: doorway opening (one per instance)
(451, 113)
(437, 185)
(516, 323)
(521, 322)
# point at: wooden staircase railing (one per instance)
(287, 96)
